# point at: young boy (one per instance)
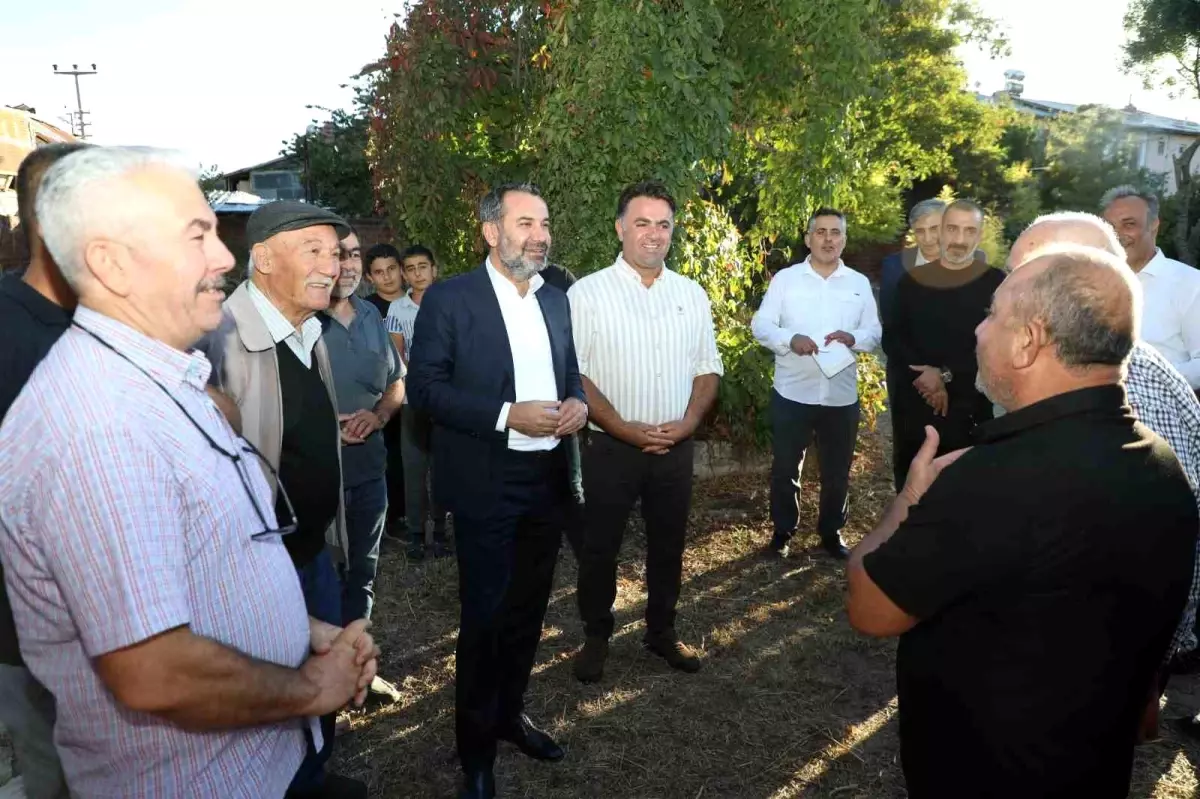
(419, 268)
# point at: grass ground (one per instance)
(791, 701)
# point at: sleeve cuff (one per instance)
(502, 422)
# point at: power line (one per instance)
(79, 121)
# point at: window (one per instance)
(1162, 146)
(277, 185)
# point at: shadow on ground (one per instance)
(791, 702)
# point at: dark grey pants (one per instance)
(793, 428)
(415, 429)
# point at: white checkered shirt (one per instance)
(1163, 400)
(118, 522)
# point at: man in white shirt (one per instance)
(495, 369)
(1170, 288)
(814, 317)
(650, 367)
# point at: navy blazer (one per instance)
(894, 266)
(460, 372)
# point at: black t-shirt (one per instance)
(380, 303)
(308, 458)
(1049, 567)
(934, 320)
(29, 326)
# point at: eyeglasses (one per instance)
(235, 457)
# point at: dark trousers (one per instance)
(793, 427)
(395, 468)
(506, 563)
(323, 599)
(616, 475)
(910, 415)
(366, 514)
(415, 439)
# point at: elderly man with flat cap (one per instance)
(269, 358)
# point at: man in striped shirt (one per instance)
(648, 356)
(151, 591)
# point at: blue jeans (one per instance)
(323, 598)
(366, 515)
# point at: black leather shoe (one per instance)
(529, 739)
(478, 785)
(835, 548)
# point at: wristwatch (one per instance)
(947, 375)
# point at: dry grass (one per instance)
(791, 702)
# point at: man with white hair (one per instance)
(1159, 395)
(1035, 580)
(1171, 289)
(151, 590)
(269, 357)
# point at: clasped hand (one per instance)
(540, 419)
(931, 388)
(656, 439)
(343, 663)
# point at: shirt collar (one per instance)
(503, 285)
(407, 300)
(278, 325)
(808, 268)
(1109, 398)
(163, 362)
(624, 268)
(1154, 265)
(921, 259)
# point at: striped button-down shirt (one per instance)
(643, 347)
(402, 319)
(118, 522)
(1163, 401)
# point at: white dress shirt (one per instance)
(281, 329)
(643, 347)
(533, 364)
(1171, 313)
(800, 301)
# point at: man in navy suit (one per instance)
(493, 364)
(925, 224)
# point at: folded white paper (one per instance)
(834, 358)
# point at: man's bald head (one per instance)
(1083, 298)
(1068, 227)
(1065, 320)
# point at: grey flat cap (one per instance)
(284, 215)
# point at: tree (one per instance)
(1169, 31)
(333, 160)
(210, 179)
(754, 112)
(1086, 154)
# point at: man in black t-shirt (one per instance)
(1037, 583)
(35, 309)
(929, 340)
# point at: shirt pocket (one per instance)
(846, 309)
(373, 373)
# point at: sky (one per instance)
(226, 81)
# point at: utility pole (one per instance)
(75, 72)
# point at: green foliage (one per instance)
(872, 387)
(334, 164)
(1087, 153)
(754, 113)
(210, 179)
(1165, 30)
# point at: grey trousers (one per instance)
(27, 712)
(415, 429)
